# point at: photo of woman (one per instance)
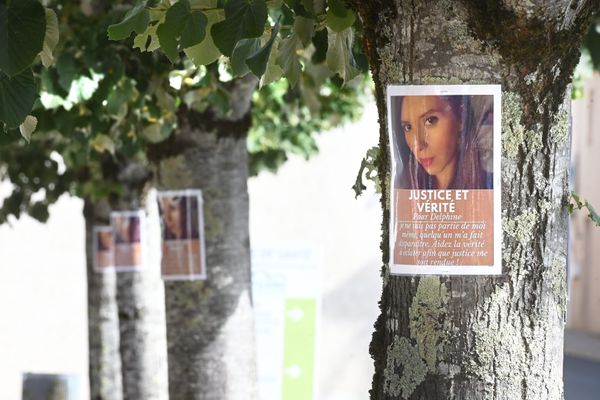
(104, 247)
(445, 192)
(442, 142)
(127, 227)
(180, 217)
(183, 254)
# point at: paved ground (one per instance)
(582, 379)
(582, 366)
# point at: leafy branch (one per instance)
(578, 204)
(29, 31)
(369, 163)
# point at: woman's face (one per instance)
(432, 132)
(172, 215)
(106, 239)
(122, 228)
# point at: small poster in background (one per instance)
(182, 221)
(445, 182)
(128, 235)
(104, 249)
(287, 295)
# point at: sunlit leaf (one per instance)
(305, 29)
(339, 54)
(156, 133)
(147, 40)
(206, 52)
(273, 71)
(28, 127)
(288, 58)
(83, 88)
(17, 95)
(22, 31)
(50, 39)
(102, 143)
(338, 16)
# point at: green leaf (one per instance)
(181, 22)
(156, 133)
(147, 40)
(339, 17)
(194, 30)
(136, 20)
(22, 32)
(592, 214)
(338, 8)
(102, 143)
(244, 19)
(50, 39)
(17, 95)
(204, 3)
(206, 52)
(257, 62)
(274, 4)
(369, 162)
(305, 29)
(288, 58)
(339, 54)
(27, 127)
(273, 72)
(66, 68)
(242, 51)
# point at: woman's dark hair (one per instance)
(468, 175)
(134, 229)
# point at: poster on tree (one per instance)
(445, 181)
(183, 253)
(128, 227)
(104, 249)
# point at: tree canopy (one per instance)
(100, 104)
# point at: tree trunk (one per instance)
(140, 298)
(103, 319)
(483, 337)
(210, 326)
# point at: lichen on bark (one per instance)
(522, 226)
(514, 134)
(405, 369)
(428, 323)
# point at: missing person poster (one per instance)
(128, 235)
(104, 249)
(445, 182)
(183, 253)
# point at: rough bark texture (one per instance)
(140, 299)
(210, 328)
(479, 337)
(103, 319)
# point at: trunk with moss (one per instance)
(210, 326)
(103, 318)
(483, 337)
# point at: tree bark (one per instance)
(483, 337)
(140, 299)
(210, 326)
(103, 319)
